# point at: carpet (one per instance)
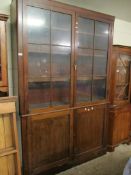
(110, 164)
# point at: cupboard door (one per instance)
(89, 129)
(91, 60)
(119, 126)
(49, 140)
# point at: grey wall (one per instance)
(121, 9)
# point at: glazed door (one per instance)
(49, 141)
(49, 34)
(122, 91)
(90, 124)
(91, 60)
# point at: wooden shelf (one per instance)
(48, 29)
(101, 35)
(85, 52)
(85, 78)
(36, 48)
(83, 99)
(96, 98)
(91, 52)
(101, 56)
(47, 79)
(92, 34)
(60, 29)
(99, 78)
(38, 79)
(41, 105)
(85, 33)
(45, 49)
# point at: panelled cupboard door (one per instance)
(48, 140)
(89, 129)
(119, 126)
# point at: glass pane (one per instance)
(38, 62)
(60, 29)
(124, 60)
(85, 32)
(122, 92)
(84, 62)
(60, 92)
(122, 76)
(99, 89)
(60, 61)
(38, 23)
(39, 94)
(101, 35)
(100, 63)
(83, 90)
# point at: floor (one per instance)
(109, 164)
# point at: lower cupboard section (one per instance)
(119, 126)
(46, 141)
(56, 139)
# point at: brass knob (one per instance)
(92, 108)
(85, 109)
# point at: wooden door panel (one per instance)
(49, 138)
(89, 128)
(121, 127)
